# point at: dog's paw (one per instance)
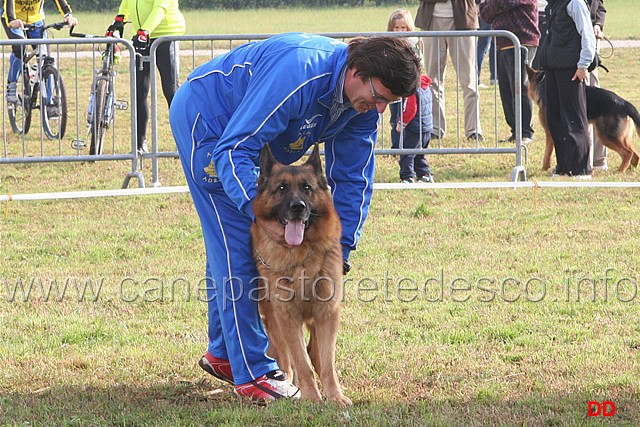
(341, 400)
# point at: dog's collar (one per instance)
(260, 260)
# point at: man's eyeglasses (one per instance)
(376, 97)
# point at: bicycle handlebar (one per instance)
(56, 26)
(91, 36)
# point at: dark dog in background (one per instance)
(612, 118)
(301, 273)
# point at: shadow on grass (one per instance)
(211, 403)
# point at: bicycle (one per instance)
(43, 78)
(102, 100)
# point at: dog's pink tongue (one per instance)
(294, 233)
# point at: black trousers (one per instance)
(566, 114)
(167, 63)
(507, 81)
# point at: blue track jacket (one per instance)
(280, 91)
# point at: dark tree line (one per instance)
(111, 5)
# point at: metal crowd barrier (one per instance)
(73, 56)
(219, 44)
(76, 59)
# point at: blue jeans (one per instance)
(486, 44)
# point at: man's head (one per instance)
(387, 67)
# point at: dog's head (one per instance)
(294, 196)
(536, 81)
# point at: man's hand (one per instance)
(16, 23)
(117, 26)
(70, 20)
(141, 41)
(581, 74)
(598, 32)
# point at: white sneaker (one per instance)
(271, 386)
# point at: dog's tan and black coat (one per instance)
(301, 271)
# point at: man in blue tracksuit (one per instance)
(289, 91)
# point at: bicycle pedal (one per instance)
(78, 144)
(121, 105)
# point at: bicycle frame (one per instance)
(40, 77)
(102, 101)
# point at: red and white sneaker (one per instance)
(217, 367)
(271, 386)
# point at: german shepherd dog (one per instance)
(301, 274)
(611, 116)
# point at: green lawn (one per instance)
(464, 307)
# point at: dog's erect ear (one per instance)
(266, 164)
(315, 162)
(531, 73)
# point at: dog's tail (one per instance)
(635, 116)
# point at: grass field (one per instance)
(464, 307)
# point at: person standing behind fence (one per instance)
(448, 15)
(598, 12)
(15, 15)
(152, 19)
(411, 118)
(401, 21)
(569, 49)
(411, 125)
(486, 45)
(521, 18)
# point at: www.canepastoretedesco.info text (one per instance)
(608, 285)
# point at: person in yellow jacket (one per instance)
(16, 14)
(152, 19)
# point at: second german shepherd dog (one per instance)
(612, 118)
(301, 274)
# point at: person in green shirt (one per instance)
(152, 19)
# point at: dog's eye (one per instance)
(307, 188)
(282, 187)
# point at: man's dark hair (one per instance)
(390, 59)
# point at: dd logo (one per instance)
(602, 409)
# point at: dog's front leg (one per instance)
(293, 334)
(326, 336)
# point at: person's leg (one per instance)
(566, 114)
(233, 310)
(462, 52)
(553, 113)
(506, 87)
(527, 103)
(435, 56)
(143, 82)
(420, 164)
(484, 44)
(167, 63)
(15, 61)
(410, 141)
(493, 74)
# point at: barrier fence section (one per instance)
(77, 60)
(200, 48)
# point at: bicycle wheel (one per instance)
(54, 111)
(99, 124)
(20, 112)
